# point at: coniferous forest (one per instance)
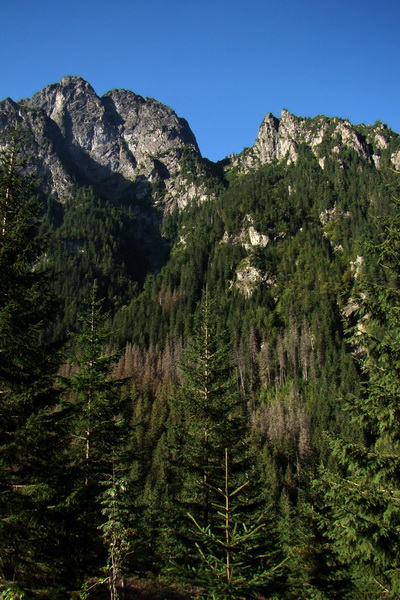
(225, 425)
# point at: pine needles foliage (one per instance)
(364, 493)
(240, 556)
(31, 418)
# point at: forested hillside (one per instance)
(202, 387)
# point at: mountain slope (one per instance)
(154, 203)
(276, 235)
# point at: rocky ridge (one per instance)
(120, 143)
(280, 139)
(127, 146)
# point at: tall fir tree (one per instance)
(98, 421)
(226, 516)
(31, 421)
(364, 493)
(213, 410)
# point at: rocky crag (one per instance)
(121, 143)
(138, 151)
(281, 139)
(126, 145)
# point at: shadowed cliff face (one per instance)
(120, 143)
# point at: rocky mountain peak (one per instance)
(280, 139)
(74, 106)
(118, 143)
(126, 145)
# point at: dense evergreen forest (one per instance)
(227, 424)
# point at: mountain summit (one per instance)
(117, 143)
(127, 146)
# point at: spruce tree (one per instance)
(214, 412)
(239, 554)
(98, 417)
(364, 493)
(221, 502)
(31, 421)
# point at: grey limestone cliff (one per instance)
(119, 143)
(128, 146)
(280, 139)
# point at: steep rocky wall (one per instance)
(279, 139)
(118, 143)
(127, 145)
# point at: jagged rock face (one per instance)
(118, 142)
(43, 143)
(122, 143)
(278, 139)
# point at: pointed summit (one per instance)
(115, 143)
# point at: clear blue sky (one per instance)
(220, 64)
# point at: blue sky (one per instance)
(222, 65)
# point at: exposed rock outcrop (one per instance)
(280, 139)
(129, 146)
(118, 143)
